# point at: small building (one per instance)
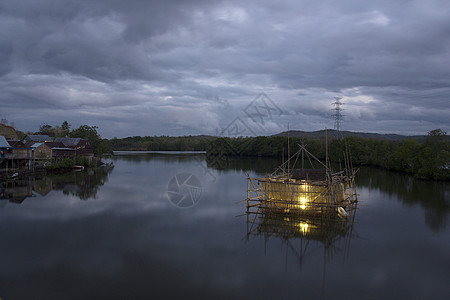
(49, 133)
(73, 142)
(36, 138)
(55, 145)
(82, 146)
(15, 143)
(14, 157)
(41, 151)
(4, 147)
(61, 153)
(85, 152)
(4, 143)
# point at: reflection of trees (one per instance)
(432, 196)
(329, 230)
(83, 185)
(146, 156)
(260, 165)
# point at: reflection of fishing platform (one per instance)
(302, 233)
(314, 227)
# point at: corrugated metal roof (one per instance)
(54, 144)
(38, 138)
(35, 145)
(3, 142)
(71, 149)
(68, 141)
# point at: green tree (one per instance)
(437, 133)
(65, 129)
(85, 132)
(433, 159)
(90, 132)
(44, 127)
(404, 155)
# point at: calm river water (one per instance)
(128, 233)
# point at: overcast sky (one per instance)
(194, 67)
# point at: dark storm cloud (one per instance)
(168, 63)
(93, 39)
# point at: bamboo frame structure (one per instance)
(304, 191)
(312, 205)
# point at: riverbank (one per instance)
(37, 172)
(429, 160)
(61, 167)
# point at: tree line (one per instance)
(161, 143)
(427, 160)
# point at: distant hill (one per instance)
(162, 143)
(320, 135)
(8, 131)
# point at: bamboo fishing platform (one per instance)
(307, 192)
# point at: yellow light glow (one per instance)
(304, 227)
(302, 201)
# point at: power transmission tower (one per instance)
(337, 113)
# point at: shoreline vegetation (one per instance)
(69, 164)
(53, 167)
(425, 156)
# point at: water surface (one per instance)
(114, 234)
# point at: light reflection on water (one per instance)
(115, 235)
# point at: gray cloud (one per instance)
(166, 67)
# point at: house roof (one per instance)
(16, 144)
(54, 144)
(68, 149)
(3, 142)
(38, 137)
(68, 142)
(35, 145)
(50, 134)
